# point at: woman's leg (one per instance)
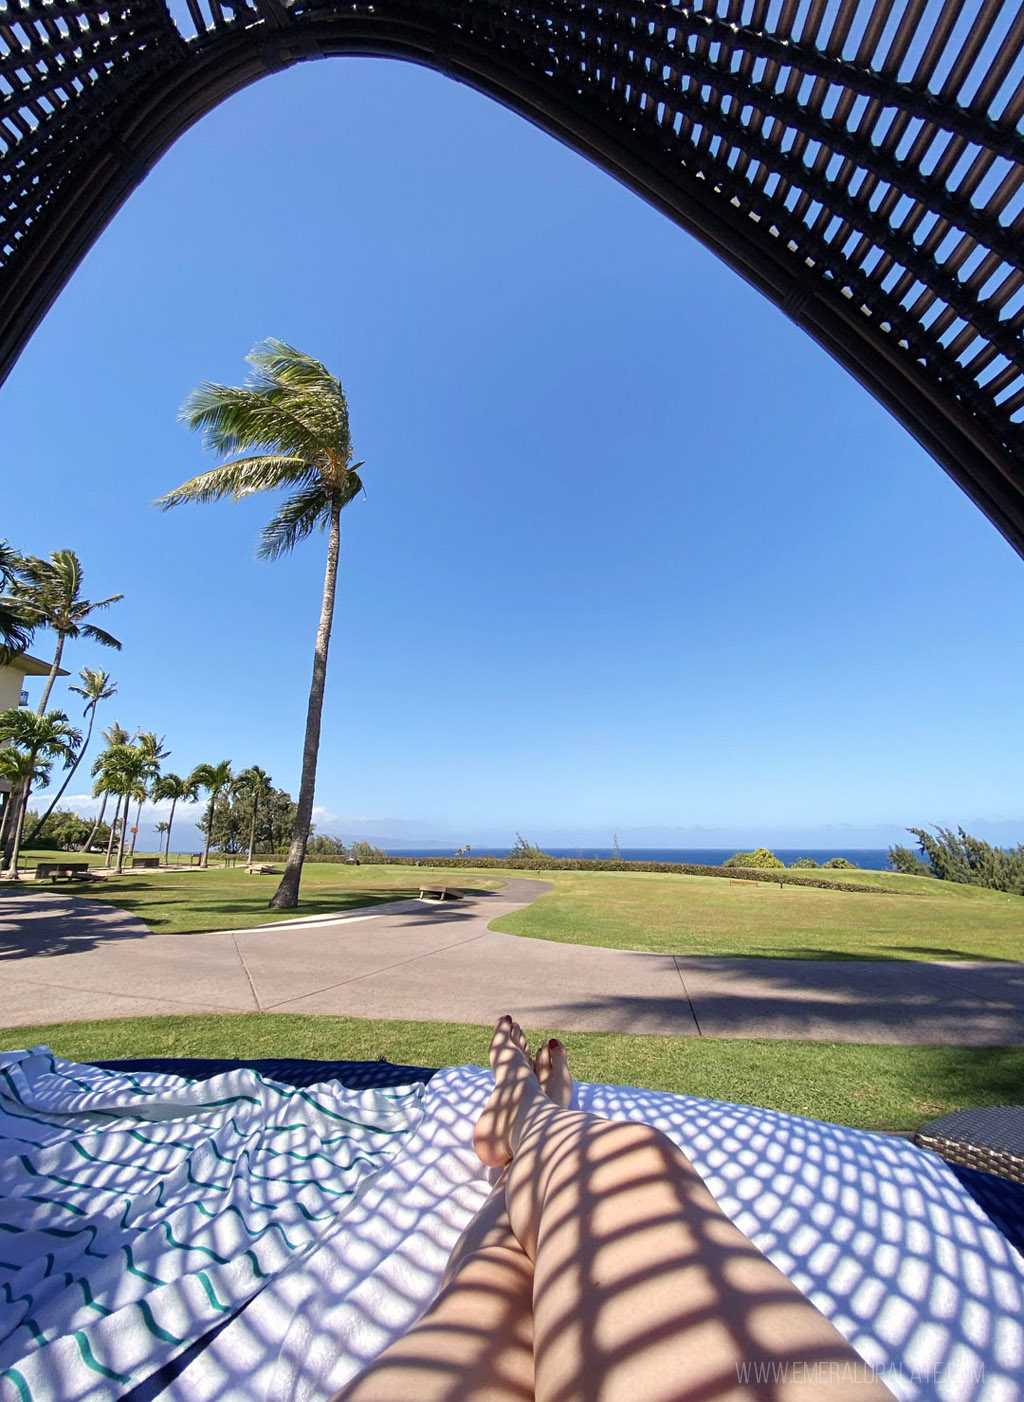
(644, 1291)
(475, 1342)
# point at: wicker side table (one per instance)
(990, 1139)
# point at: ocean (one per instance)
(866, 858)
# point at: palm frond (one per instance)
(15, 629)
(88, 605)
(239, 479)
(301, 515)
(235, 420)
(100, 635)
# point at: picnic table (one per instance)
(145, 862)
(65, 871)
(439, 893)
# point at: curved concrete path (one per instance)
(65, 958)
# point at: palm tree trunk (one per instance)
(167, 843)
(54, 669)
(287, 894)
(135, 830)
(252, 831)
(9, 819)
(113, 830)
(67, 780)
(124, 827)
(18, 827)
(209, 830)
(96, 826)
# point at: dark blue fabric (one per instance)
(1000, 1200)
(292, 1071)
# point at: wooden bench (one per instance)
(261, 869)
(65, 871)
(146, 862)
(439, 893)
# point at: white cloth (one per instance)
(136, 1212)
(878, 1234)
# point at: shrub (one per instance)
(757, 860)
(804, 862)
(908, 863)
(320, 845)
(839, 862)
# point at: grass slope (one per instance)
(926, 920)
(869, 1087)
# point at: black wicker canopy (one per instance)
(861, 162)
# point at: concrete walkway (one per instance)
(64, 958)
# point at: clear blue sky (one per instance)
(635, 554)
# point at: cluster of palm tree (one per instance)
(128, 769)
(44, 594)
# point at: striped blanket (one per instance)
(138, 1211)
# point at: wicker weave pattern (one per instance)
(990, 1140)
(861, 162)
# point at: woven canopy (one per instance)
(860, 162)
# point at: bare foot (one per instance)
(551, 1066)
(515, 1084)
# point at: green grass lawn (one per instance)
(869, 1087)
(923, 919)
(185, 902)
(920, 919)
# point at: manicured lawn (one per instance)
(924, 919)
(920, 919)
(184, 902)
(870, 1087)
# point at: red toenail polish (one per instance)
(555, 1042)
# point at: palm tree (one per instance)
(116, 735)
(48, 591)
(255, 784)
(96, 687)
(214, 778)
(20, 770)
(46, 738)
(291, 422)
(155, 752)
(125, 771)
(178, 790)
(15, 632)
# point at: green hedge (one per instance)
(782, 876)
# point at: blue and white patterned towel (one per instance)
(136, 1212)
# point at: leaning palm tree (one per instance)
(40, 739)
(290, 423)
(48, 592)
(96, 687)
(214, 778)
(178, 790)
(255, 784)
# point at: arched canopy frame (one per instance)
(860, 162)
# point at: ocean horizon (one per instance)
(866, 858)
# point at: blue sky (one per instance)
(635, 554)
